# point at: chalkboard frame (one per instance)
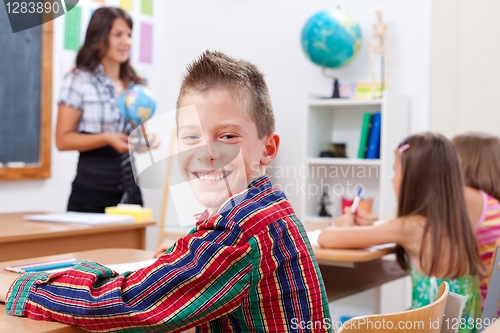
(42, 169)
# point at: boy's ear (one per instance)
(271, 145)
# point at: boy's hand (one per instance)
(162, 248)
(362, 218)
(5, 283)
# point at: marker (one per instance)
(355, 203)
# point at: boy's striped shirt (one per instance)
(246, 268)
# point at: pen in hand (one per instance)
(355, 203)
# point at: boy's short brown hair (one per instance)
(215, 70)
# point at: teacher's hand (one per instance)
(154, 141)
(119, 141)
(5, 283)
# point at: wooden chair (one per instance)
(495, 328)
(427, 319)
(453, 313)
(493, 294)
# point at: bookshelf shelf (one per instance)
(341, 102)
(342, 161)
(339, 121)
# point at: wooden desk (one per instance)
(347, 272)
(107, 256)
(21, 239)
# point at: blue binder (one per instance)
(374, 139)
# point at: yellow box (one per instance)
(139, 213)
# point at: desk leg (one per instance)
(142, 238)
(377, 299)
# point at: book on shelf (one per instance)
(365, 132)
(369, 143)
(374, 139)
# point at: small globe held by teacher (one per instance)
(331, 38)
(137, 104)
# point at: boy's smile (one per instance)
(220, 152)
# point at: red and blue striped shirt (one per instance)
(246, 268)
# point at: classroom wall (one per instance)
(465, 67)
(52, 194)
(268, 34)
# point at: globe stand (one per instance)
(336, 93)
(140, 139)
(336, 90)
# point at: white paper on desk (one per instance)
(313, 237)
(80, 218)
(131, 266)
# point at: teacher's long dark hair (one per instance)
(96, 42)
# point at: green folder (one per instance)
(365, 130)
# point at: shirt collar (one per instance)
(262, 182)
(103, 78)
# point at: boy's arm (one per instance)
(196, 281)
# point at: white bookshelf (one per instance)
(341, 161)
(339, 121)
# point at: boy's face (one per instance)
(220, 152)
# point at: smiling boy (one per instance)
(247, 265)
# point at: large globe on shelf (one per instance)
(137, 104)
(331, 38)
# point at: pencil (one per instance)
(40, 267)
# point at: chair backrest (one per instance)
(493, 328)
(493, 294)
(427, 319)
(453, 313)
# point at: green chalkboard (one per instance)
(25, 100)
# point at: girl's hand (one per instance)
(362, 218)
(119, 141)
(5, 283)
(346, 220)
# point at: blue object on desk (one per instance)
(50, 266)
(43, 266)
